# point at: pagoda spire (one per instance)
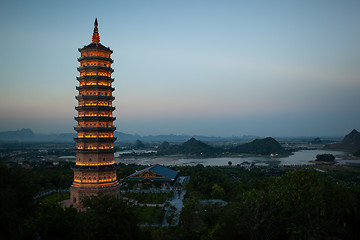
(96, 36)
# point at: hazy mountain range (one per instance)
(27, 135)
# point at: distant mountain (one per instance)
(192, 147)
(27, 135)
(350, 142)
(264, 146)
(124, 137)
(139, 144)
(260, 146)
(24, 134)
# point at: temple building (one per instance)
(154, 174)
(95, 168)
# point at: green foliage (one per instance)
(357, 153)
(313, 205)
(149, 215)
(106, 217)
(172, 233)
(230, 182)
(203, 219)
(55, 197)
(217, 191)
(16, 200)
(300, 205)
(325, 157)
(156, 198)
(52, 221)
(51, 178)
(203, 179)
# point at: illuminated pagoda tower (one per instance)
(95, 169)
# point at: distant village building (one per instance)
(157, 173)
(246, 165)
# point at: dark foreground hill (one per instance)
(260, 146)
(350, 142)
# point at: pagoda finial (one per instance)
(96, 36)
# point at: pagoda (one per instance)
(95, 168)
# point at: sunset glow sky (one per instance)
(215, 68)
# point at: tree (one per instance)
(52, 221)
(108, 218)
(325, 157)
(357, 153)
(300, 205)
(16, 200)
(217, 191)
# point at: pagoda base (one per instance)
(78, 193)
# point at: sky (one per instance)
(200, 67)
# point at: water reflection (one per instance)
(299, 158)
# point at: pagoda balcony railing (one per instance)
(97, 77)
(95, 58)
(94, 87)
(94, 129)
(95, 139)
(110, 150)
(107, 119)
(98, 96)
(95, 186)
(95, 167)
(95, 107)
(97, 67)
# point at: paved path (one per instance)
(177, 202)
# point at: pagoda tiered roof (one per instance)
(95, 97)
(97, 107)
(97, 139)
(95, 129)
(111, 150)
(97, 67)
(95, 58)
(95, 45)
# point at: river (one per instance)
(298, 158)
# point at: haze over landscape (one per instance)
(213, 68)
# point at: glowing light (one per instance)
(108, 163)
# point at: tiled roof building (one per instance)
(156, 173)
